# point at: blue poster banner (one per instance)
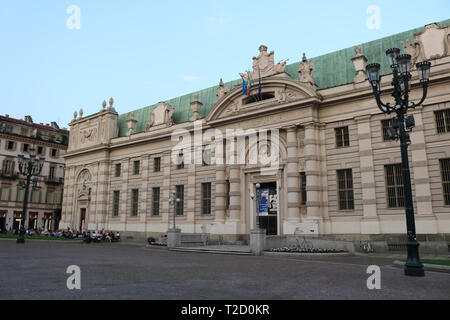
(263, 197)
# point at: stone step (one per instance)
(213, 250)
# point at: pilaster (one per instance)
(421, 177)
(369, 222)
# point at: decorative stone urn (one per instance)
(195, 106)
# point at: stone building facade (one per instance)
(44, 205)
(329, 166)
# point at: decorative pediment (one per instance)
(274, 92)
(264, 65)
(161, 116)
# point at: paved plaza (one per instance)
(37, 270)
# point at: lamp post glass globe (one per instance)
(252, 195)
(392, 55)
(373, 72)
(423, 70)
(404, 63)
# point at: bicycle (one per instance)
(305, 245)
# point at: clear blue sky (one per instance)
(142, 52)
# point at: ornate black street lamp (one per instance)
(173, 201)
(29, 168)
(401, 125)
(252, 196)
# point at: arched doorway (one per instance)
(84, 182)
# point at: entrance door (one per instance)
(16, 223)
(82, 218)
(268, 207)
(3, 223)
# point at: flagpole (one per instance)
(259, 85)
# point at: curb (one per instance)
(306, 254)
(426, 267)
(42, 240)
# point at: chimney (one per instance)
(54, 125)
(28, 119)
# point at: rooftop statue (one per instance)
(306, 72)
(264, 65)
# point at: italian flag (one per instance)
(249, 84)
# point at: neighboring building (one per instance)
(338, 173)
(44, 203)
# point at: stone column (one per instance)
(312, 169)
(68, 198)
(124, 194)
(165, 189)
(189, 199)
(143, 194)
(235, 193)
(421, 178)
(102, 193)
(293, 183)
(220, 194)
(369, 222)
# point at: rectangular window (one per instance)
(157, 164)
(8, 166)
(51, 173)
(40, 150)
(8, 128)
(50, 197)
(345, 189)
(179, 206)
(134, 202)
(155, 205)
(303, 188)
(445, 173)
(35, 196)
(206, 198)
(136, 165)
(116, 199)
(442, 120)
(342, 138)
(10, 145)
(24, 131)
(20, 194)
(4, 194)
(118, 169)
(394, 186)
(54, 152)
(385, 125)
(227, 199)
(25, 147)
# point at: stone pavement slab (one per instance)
(37, 270)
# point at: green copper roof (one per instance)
(330, 70)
